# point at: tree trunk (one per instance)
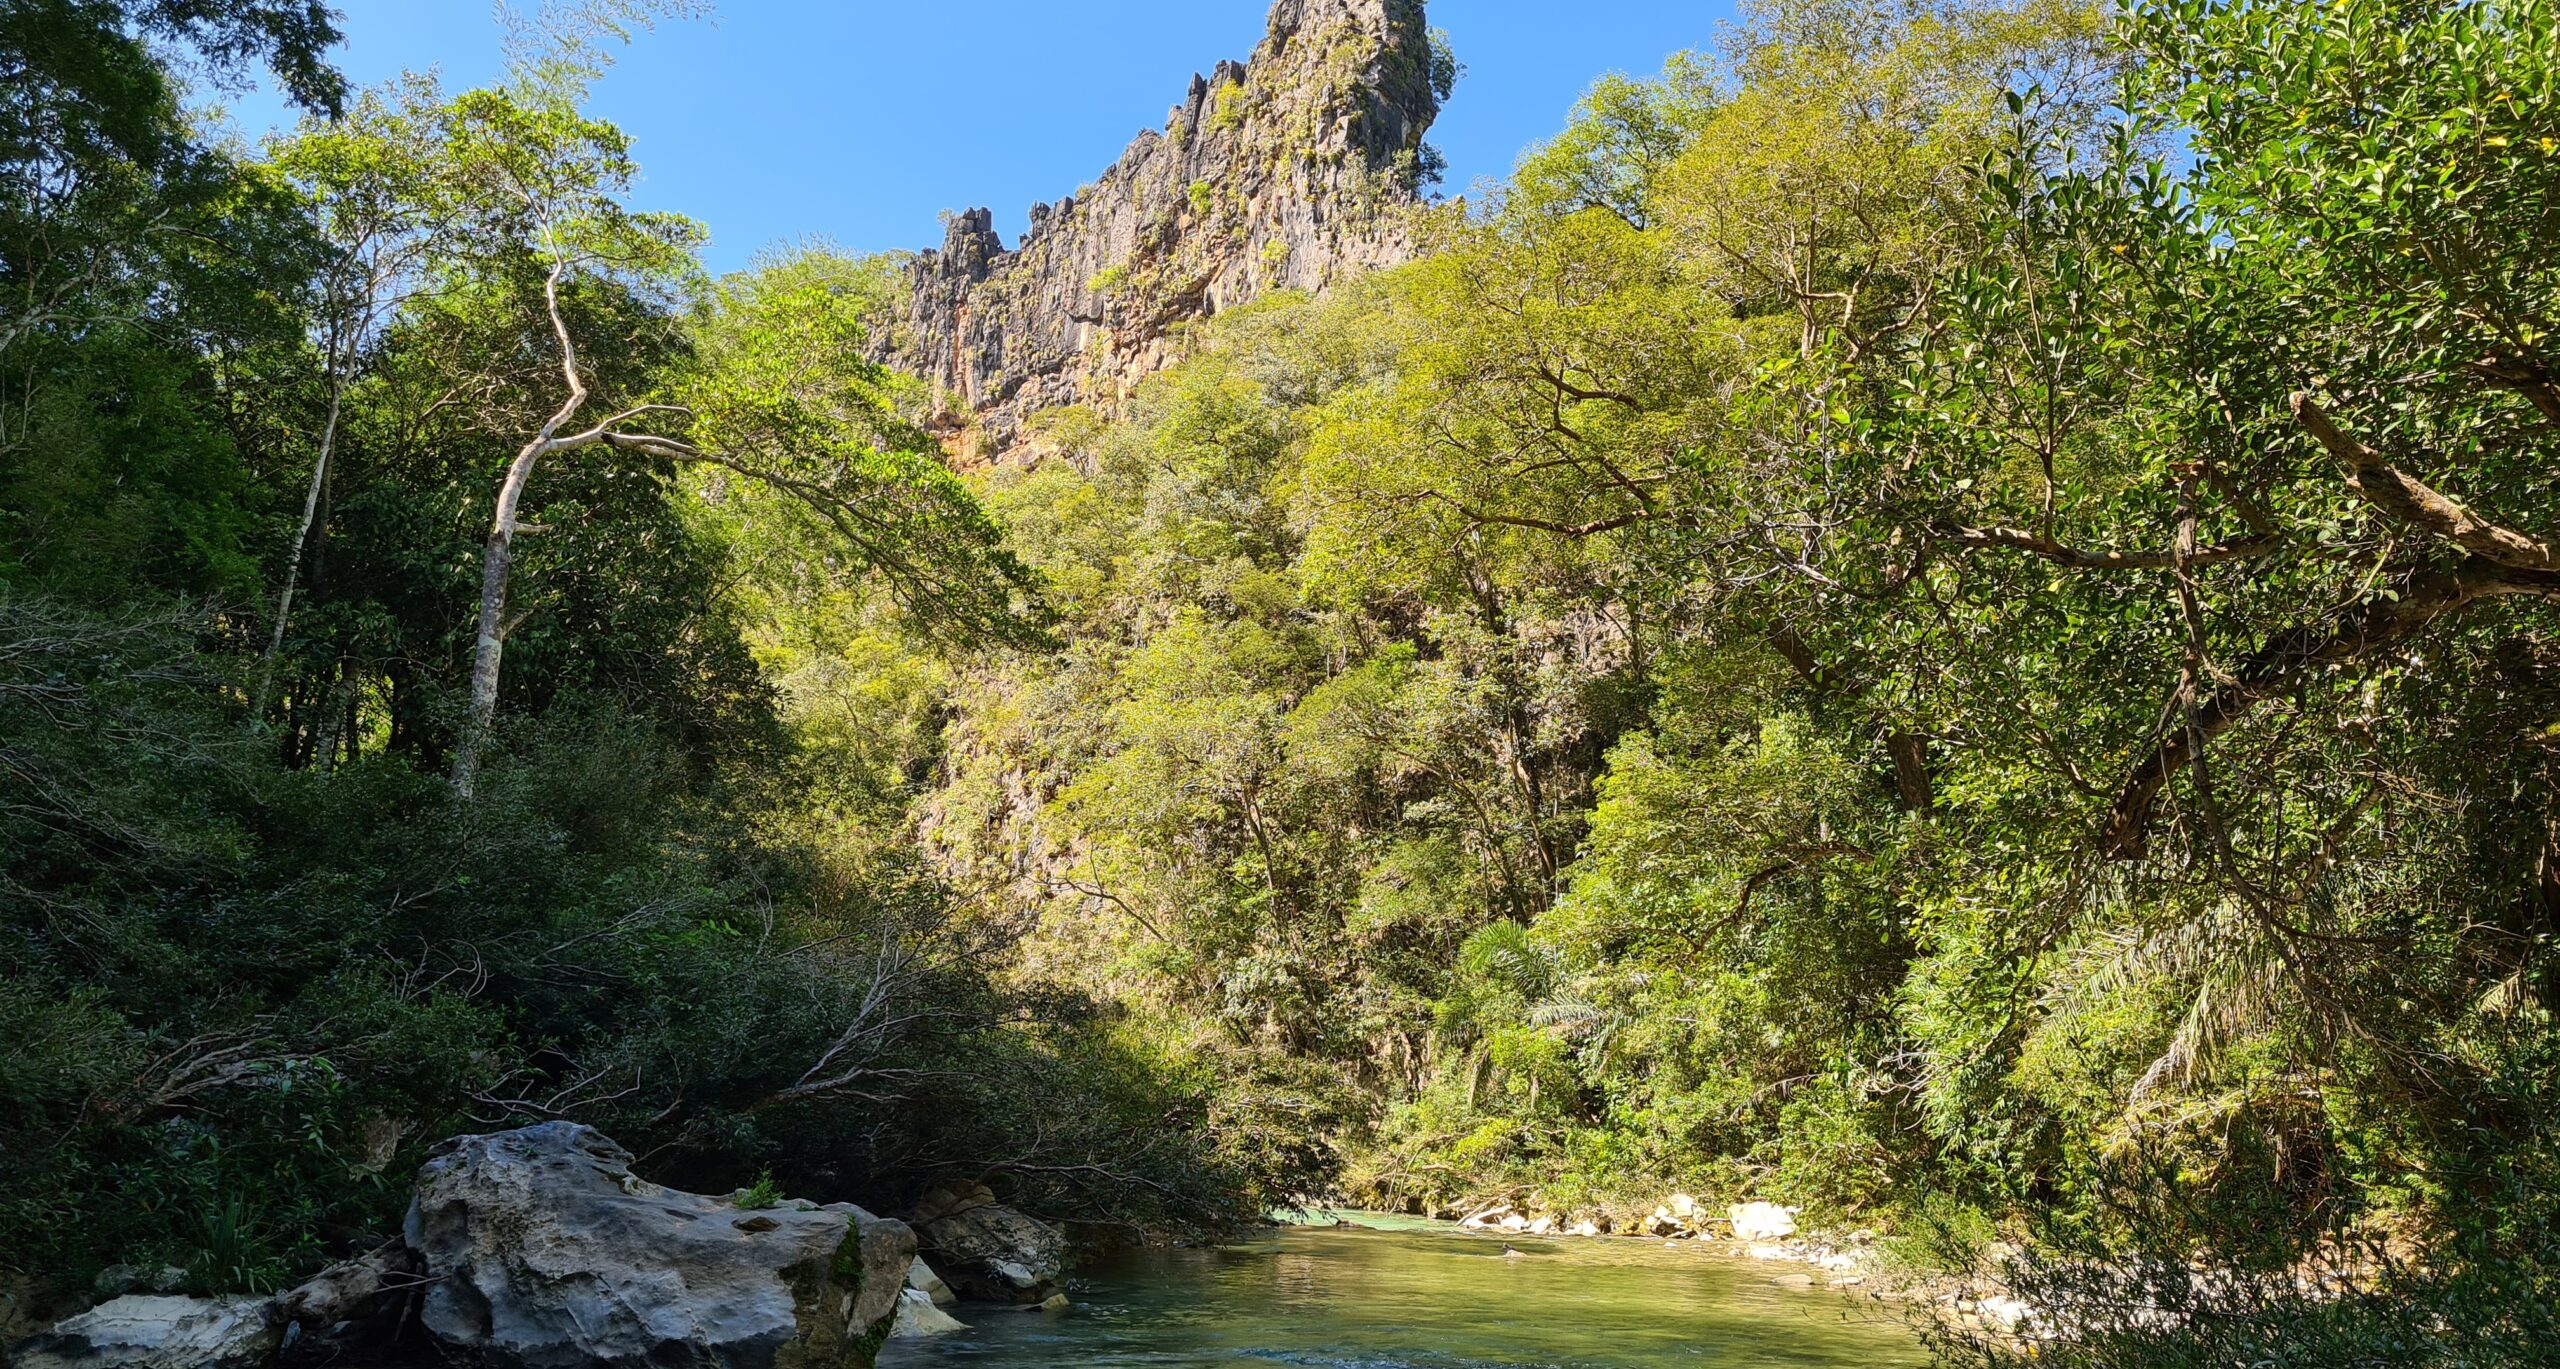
(1912, 785)
(498, 561)
(490, 643)
(301, 541)
(336, 721)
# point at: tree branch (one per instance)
(2412, 501)
(1592, 528)
(2523, 378)
(2352, 635)
(2078, 558)
(597, 433)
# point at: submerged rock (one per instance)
(546, 1251)
(990, 1252)
(145, 1331)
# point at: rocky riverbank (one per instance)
(1855, 1263)
(1984, 1303)
(541, 1249)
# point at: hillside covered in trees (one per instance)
(1941, 614)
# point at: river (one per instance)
(1397, 1293)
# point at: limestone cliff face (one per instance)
(1284, 173)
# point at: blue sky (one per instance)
(861, 120)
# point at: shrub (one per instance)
(1227, 107)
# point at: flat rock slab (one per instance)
(142, 1331)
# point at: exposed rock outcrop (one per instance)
(1286, 172)
(990, 1252)
(545, 1250)
(147, 1331)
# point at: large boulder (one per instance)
(146, 1331)
(18, 1317)
(545, 1251)
(989, 1252)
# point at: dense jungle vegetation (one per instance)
(1942, 613)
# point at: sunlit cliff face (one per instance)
(1284, 173)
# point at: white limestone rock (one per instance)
(153, 1331)
(919, 1318)
(922, 1279)
(1761, 1221)
(545, 1251)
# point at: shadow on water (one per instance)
(1393, 1295)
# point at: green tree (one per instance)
(98, 174)
(375, 179)
(782, 396)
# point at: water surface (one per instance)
(1401, 1294)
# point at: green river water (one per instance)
(1396, 1293)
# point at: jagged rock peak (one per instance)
(1285, 172)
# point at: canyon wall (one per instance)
(1282, 173)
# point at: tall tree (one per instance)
(783, 397)
(377, 183)
(96, 166)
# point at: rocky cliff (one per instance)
(1286, 172)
